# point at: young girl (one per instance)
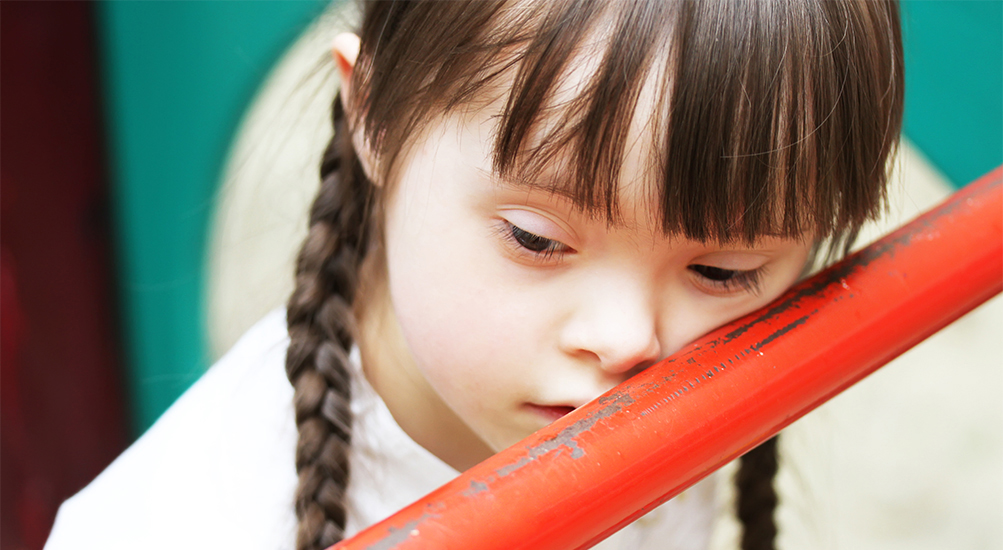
(524, 203)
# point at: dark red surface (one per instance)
(62, 415)
(598, 468)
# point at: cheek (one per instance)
(451, 303)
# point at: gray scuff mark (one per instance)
(566, 439)
(645, 388)
(502, 472)
(705, 377)
(397, 535)
(475, 488)
(793, 325)
(667, 378)
(818, 285)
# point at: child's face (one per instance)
(516, 307)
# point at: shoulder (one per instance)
(216, 470)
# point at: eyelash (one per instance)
(729, 280)
(541, 248)
(726, 280)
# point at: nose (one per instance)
(617, 328)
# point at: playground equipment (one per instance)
(580, 479)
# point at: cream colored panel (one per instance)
(270, 180)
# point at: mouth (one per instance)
(549, 412)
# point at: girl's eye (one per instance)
(729, 280)
(541, 247)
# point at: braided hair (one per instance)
(756, 500)
(321, 333)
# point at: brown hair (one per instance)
(771, 118)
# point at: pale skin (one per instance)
(493, 309)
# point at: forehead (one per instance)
(615, 156)
(580, 125)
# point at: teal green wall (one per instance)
(178, 76)
(954, 84)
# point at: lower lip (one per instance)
(550, 413)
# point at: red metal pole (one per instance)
(585, 476)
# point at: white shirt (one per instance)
(217, 470)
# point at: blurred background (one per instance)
(117, 120)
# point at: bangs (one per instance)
(767, 118)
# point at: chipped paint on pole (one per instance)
(580, 479)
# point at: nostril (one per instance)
(640, 367)
(627, 363)
(564, 409)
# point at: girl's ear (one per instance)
(345, 50)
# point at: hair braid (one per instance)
(757, 499)
(321, 332)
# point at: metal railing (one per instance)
(582, 478)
